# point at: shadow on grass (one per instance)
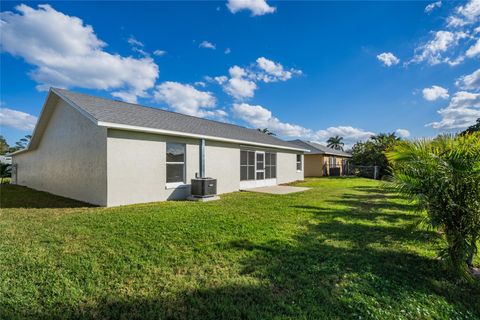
(13, 196)
(330, 270)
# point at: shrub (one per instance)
(443, 175)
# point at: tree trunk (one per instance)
(473, 251)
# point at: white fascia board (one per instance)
(74, 105)
(190, 135)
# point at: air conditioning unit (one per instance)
(204, 187)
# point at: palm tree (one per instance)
(266, 131)
(385, 138)
(21, 144)
(443, 176)
(335, 143)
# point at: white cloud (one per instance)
(260, 117)
(125, 96)
(240, 88)
(469, 81)
(17, 119)
(227, 51)
(159, 53)
(257, 116)
(237, 86)
(242, 82)
(463, 110)
(465, 15)
(453, 44)
(237, 72)
(435, 92)
(470, 11)
(134, 42)
(207, 45)
(455, 22)
(474, 50)
(67, 53)
(350, 134)
(271, 71)
(404, 133)
(388, 59)
(186, 99)
(200, 84)
(220, 79)
(256, 7)
(433, 50)
(429, 8)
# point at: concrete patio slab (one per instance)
(277, 189)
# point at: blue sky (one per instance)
(303, 69)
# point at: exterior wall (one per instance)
(222, 162)
(70, 160)
(314, 165)
(287, 167)
(338, 162)
(137, 166)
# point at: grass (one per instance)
(344, 249)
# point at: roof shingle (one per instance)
(118, 112)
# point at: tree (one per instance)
(473, 128)
(4, 147)
(443, 175)
(371, 152)
(266, 131)
(21, 144)
(335, 143)
(5, 171)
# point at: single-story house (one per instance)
(321, 160)
(110, 153)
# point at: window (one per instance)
(247, 165)
(299, 162)
(270, 165)
(175, 163)
(333, 162)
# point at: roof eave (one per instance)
(192, 135)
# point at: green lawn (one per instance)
(344, 249)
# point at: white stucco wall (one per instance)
(287, 167)
(222, 162)
(137, 167)
(70, 160)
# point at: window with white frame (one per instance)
(299, 162)
(270, 165)
(175, 163)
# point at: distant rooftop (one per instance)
(317, 148)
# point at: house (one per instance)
(321, 160)
(5, 159)
(111, 153)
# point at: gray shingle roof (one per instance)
(118, 112)
(316, 148)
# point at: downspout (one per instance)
(202, 158)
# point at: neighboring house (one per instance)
(110, 153)
(320, 160)
(5, 159)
